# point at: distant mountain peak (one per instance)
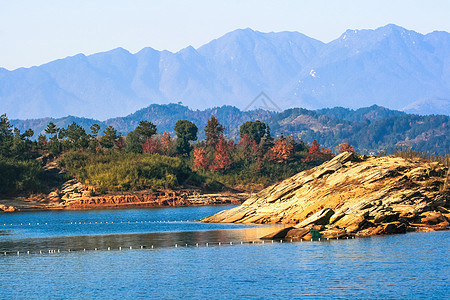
(388, 66)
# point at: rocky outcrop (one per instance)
(352, 195)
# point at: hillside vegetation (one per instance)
(370, 130)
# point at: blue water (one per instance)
(411, 266)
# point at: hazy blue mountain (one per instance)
(390, 66)
(429, 106)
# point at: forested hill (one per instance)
(369, 130)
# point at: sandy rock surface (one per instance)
(353, 195)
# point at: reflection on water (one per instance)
(135, 241)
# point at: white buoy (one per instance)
(186, 245)
(263, 241)
(5, 253)
(301, 240)
(231, 243)
(95, 249)
(58, 251)
(142, 247)
(84, 250)
(272, 241)
(219, 243)
(131, 248)
(152, 246)
(17, 253)
(196, 244)
(347, 238)
(328, 239)
(120, 248)
(28, 252)
(281, 241)
(176, 245)
(40, 252)
(206, 244)
(291, 240)
(69, 250)
(242, 242)
(319, 239)
(253, 242)
(109, 248)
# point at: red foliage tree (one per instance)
(315, 153)
(151, 146)
(166, 142)
(345, 147)
(280, 152)
(200, 159)
(222, 158)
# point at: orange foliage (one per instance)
(222, 158)
(345, 147)
(281, 151)
(200, 159)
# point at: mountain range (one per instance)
(390, 66)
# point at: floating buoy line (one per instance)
(97, 222)
(142, 247)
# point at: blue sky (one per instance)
(35, 32)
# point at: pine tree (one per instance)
(213, 130)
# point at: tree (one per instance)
(6, 135)
(345, 147)
(186, 131)
(222, 158)
(51, 129)
(213, 130)
(280, 152)
(109, 138)
(76, 136)
(136, 138)
(255, 130)
(93, 137)
(200, 159)
(317, 154)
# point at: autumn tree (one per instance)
(200, 159)
(186, 132)
(222, 157)
(280, 152)
(316, 153)
(345, 147)
(167, 143)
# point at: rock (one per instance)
(278, 234)
(7, 208)
(320, 218)
(394, 228)
(356, 194)
(433, 218)
(297, 233)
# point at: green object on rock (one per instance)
(315, 235)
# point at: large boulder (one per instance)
(354, 194)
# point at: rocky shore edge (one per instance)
(73, 197)
(349, 196)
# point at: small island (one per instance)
(352, 195)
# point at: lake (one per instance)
(165, 253)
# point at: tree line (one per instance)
(146, 159)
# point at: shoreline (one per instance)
(142, 199)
